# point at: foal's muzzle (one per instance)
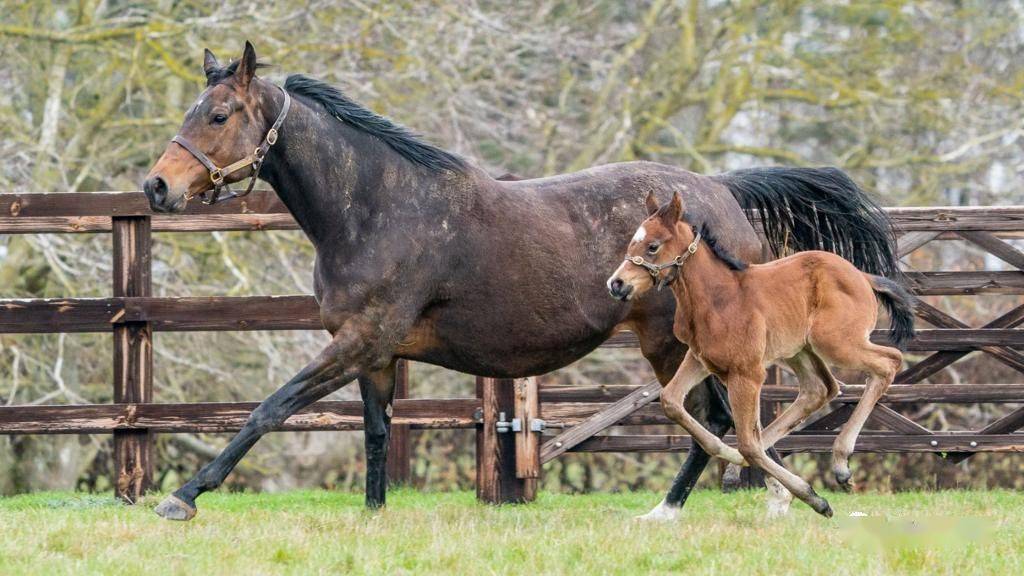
(619, 289)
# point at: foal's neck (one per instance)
(707, 289)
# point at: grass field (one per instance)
(325, 532)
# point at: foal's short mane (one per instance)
(721, 252)
(397, 137)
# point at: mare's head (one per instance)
(654, 251)
(226, 124)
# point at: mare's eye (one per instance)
(219, 118)
(653, 248)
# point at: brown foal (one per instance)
(809, 310)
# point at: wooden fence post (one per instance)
(496, 481)
(133, 356)
(400, 443)
(527, 410)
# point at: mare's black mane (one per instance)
(405, 142)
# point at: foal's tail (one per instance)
(900, 304)
(817, 209)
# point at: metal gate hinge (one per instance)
(516, 424)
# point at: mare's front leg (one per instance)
(338, 364)
(673, 399)
(378, 392)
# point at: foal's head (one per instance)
(227, 123)
(659, 244)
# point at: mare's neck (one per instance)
(338, 181)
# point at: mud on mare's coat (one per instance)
(422, 255)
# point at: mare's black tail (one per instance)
(817, 209)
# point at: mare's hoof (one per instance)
(174, 508)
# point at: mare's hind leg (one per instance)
(378, 391)
(815, 390)
(673, 400)
(744, 397)
(882, 363)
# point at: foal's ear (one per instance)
(652, 204)
(246, 66)
(671, 212)
(210, 63)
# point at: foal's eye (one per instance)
(219, 118)
(653, 248)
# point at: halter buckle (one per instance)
(217, 176)
(272, 136)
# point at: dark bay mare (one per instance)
(421, 255)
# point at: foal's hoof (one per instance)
(821, 506)
(844, 478)
(174, 508)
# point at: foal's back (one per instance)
(810, 296)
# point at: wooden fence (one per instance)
(510, 452)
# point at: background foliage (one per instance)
(920, 101)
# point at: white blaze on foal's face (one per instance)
(641, 233)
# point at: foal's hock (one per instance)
(810, 310)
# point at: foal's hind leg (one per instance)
(673, 399)
(882, 363)
(744, 396)
(378, 391)
(815, 392)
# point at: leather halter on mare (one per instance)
(655, 269)
(255, 160)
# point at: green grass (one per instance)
(325, 532)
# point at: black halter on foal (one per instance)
(255, 160)
(655, 269)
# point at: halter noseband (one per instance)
(255, 160)
(655, 269)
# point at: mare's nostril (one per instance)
(156, 189)
(616, 285)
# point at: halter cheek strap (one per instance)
(655, 269)
(255, 160)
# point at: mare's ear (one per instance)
(652, 204)
(246, 66)
(210, 63)
(671, 212)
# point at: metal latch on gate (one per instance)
(516, 424)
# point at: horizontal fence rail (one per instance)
(508, 463)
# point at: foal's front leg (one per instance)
(673, 399)
(744, 396)
(336, 366)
